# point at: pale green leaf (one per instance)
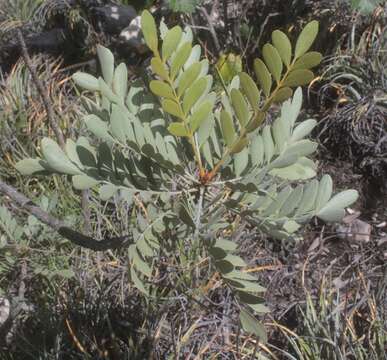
(170, 42)
(161, 89)
(149, 30)
(308, 60)
(188, 77)
(306, 38)
(177, 129)
(298, 78)
(83, 182)
(98, 127)
(86, 81)
(324, 191)
(240, 107)
(303, 129)
(180, 58)
(200, 114)
(227, 128)
(194, 93)
(263, 76)
(29, 166)
(273, 61)
(106, 60)
(283, 46)
(56, 158)
(171, 107)
(251, 325)
(159, 68)
(120, 81)
(250, 89)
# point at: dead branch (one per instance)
(74, 236)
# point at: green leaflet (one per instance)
(194, 93)
(308, 60)
(298, 78)
(120, 81)
(306, 38)
(273, 61)
(263, 76)
(200, 114)
(324, 192)
(240, 107)
(282, 94)
(161, 89)
(86, 81)
(178, 129)
(251, 325)
(188, 77)
(159, 68)
(57, 159)
(149, 30)
(29, 166)
(180, 58)
(283, 46)
(228, 130)
(170, 42)
(303, 129)
(173, 108)
(250, 90)
(83, 182)
(71, 152)
(334, 209)
(98, 127)
(106, 60)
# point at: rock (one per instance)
(356, 230)
(132, 36)
(114, 18)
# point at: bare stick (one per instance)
(43, 94)
(59, 226)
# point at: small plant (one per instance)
(193, 160)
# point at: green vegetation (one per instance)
(186, 215)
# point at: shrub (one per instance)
(195, 159)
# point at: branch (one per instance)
(58, 225)
(43, 94)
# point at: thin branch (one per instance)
(43, 94)
(58, 225)
(211, 28)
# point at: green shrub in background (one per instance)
(197, 159)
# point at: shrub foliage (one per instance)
(197, 159)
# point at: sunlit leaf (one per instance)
(170, 42)
(149, 30)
